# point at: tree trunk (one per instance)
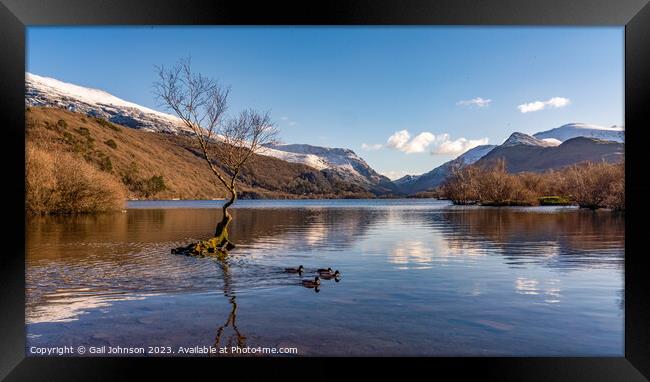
(219, 244)
(221, 232)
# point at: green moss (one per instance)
(507, 203)
(554, 201)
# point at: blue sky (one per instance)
(361, 87)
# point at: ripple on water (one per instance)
(453, 278)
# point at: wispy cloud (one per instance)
(401, 140)
(288, 121)
(478, 102)
(554, 102)
(371, 146)
(440, 144)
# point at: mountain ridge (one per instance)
(573, 130)
(340, 162)
(336, 164)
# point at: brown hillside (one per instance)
(139, 159)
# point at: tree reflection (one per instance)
(236, 338)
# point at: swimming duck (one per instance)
(331, 275)
(300, 269)
(324, 270)
(311, 283)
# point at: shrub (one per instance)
(154, 185)
(104, 123)
(83, 131)
(590, 185)
(595, 185)
(461, 186)
(104, 162)
(111, 143)
(61, 124)
(142, 186)
(58, 182)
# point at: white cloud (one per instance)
(371, 146)
(553, 141)
(558, 101)
(441, 143)
(445, 146)
(401, 140)
(284, 118)
(478, 101)
(554, 102)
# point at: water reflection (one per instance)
(236, 338)
(559, 238)
(455, 278)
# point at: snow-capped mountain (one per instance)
(573, 130)
(415, 183)
(518, 138)
(340, 163)
(344, 162)
(537, 158)
(473, 155)
(45, 91)
(523, 151)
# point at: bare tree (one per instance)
(201, 104)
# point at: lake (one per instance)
(419, 277)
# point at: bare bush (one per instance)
(461, 186)
(58, 183)
(589, 185)
(595, 185)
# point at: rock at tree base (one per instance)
(214, 247)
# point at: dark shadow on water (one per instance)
(236, 338)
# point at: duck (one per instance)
(331, 275)
(311, 283)
(324, 270)
(300, 269)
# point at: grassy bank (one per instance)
(588, 185)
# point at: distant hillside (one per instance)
(341, 162)
(527, 155)
(164, 166)
(412, 184)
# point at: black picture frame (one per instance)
(15, 15)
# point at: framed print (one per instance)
(454, 186)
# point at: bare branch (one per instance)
(201, 104)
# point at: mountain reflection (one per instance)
(76, 263)
(562, 239)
